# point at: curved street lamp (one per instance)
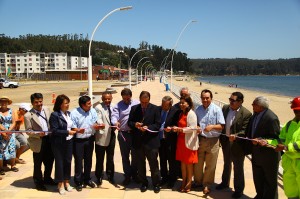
(191, 21)
(142, 68)
(129, 71)
(90, 76)
(137, 72)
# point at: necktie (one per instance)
(109, 112)
(163, 120)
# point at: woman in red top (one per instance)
(187, 142)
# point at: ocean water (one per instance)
(282, 85)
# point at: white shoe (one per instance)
(62, 191)
(69, 188)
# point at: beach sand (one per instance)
(279, 104)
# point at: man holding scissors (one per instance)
(144, 120)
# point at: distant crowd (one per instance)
(178, 141)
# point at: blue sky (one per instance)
(255, 29)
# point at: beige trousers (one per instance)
(207, 154)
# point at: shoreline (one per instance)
(279, 104)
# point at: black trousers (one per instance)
(83, 153)
(167, 157)
(100, 154)
(237, 158)
(265, 163)
(62, 150)
(125, 143)
(46, 157)
(151, 155)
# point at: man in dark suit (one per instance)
(168, 141)
(264, 124)
(236, 120)
(144, 120)
(37, 119)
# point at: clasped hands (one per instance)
(140, 126)
(177, 129)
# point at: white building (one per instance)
(28, 63)
(77, 63)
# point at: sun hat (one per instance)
(5, 98)
(25, 106)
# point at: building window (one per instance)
(30, 59)
(25, 64)
(30, 64)
(18, 60)
(37, 59)
(30, 69)
(37, 64)
(25, 60)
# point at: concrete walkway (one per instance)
(20, 184)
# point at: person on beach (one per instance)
(211, 121)
(84, 119)
(236, 120)
(21, 141)
(105, 140)
(264, 124)
(37, 119)
(290, 143)
(7, 140)
(144, 120)
(168, 140)
(119, 118)
(187, 142)
(62, 142)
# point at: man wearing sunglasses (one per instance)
(236, 120)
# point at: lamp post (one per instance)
(142, 69)
(80, 63)
(129, 71)
(147, 69)
(90, 76)
(120, 51)
(191, 21)
(137, 72)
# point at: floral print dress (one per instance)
(7, 147)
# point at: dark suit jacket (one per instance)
(268, 127)
(58, 126)
(150, 119)
(171, 120)
(238, 128)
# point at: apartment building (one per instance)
(28, 63)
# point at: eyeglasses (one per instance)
(233, 100)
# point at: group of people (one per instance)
(177, 140)
(11, 145)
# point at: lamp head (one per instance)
(126, 8)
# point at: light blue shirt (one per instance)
(86, 120)
(120, 113)
(211, 116)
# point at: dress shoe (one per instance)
(163, 181)
(156, 189)
(170, 184)
(90, 184)
(221, 186)
(196, 185)
(99, 182)
(79, 187)
(50, 181)
(111, 179)
(206, 190)
(237, 194)
(136, 179)
(126, 181)
(40, 187)
(144, 188)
